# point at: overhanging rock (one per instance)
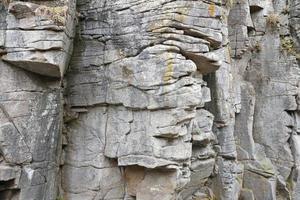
(39, 37)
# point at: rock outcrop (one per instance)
(136, 99)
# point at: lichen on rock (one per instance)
(160, 99)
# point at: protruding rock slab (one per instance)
(38, 37)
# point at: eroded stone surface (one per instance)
(162, 99)
(38, 37)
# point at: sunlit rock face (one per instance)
(159, 99)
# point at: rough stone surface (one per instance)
(38, 37)
(146, 100)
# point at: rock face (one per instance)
(38, 37)
(160, 99)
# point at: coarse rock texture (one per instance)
(31, 105)
(149, 99)
(38, 36)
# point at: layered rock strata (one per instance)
(187, 100)
(34, 37)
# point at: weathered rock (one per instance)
(261, 187)
(31, 123)
(156, 184)
(165, 99)
(13, 145)
(39, 37)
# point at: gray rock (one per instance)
(39, 37)
(166, 99)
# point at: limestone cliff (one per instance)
(149, 99)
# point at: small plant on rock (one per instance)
(257, 47)
(273, 20)
(56, 14)
(286, 10)
(229, 3)
(5, 3)
(288, 45)
(59, 198)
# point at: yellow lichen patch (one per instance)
(182, 16)
(169, 70)
(179, 17)
(158, 24)
(183, 11)
(212, 10)
(224, 16)
(57, 14)
(229, 3)
(228, 54)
